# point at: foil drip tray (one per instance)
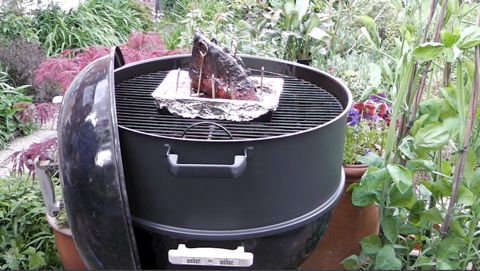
(176, 95)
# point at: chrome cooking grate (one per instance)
(302, 106)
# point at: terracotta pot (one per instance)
(347, 226)
(65, 246)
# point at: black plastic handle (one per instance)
(206, 170)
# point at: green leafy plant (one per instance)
(26, 240)
(11, 103)
(215, 18)
(427, 184)
(296, 26)
(15, 25)
(18, 115)
(95, 22)
(302, 29)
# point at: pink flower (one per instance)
(370, 108)
(359, 106)
(382, 109)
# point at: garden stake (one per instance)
(203, 54)
(405, 124)
(234, 43)
(423, 78)
(213, 86)
(457, 174)
(178, 77)
(261, 79)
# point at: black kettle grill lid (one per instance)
(91, 169)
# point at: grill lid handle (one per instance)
(206, 170)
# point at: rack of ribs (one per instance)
(217, 73)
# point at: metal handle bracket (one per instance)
(206, 170)
(46, 186)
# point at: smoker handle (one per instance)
(206, 170)
(46, 186)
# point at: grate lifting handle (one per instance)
(206, 123)
(206, 170)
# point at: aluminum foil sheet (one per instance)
(175, 94)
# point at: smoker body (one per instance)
(134, 195)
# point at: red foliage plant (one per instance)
(25, 159)
(39, 113)
(44, 112)
(62, 69)
(145, 41)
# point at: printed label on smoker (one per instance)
(211, 261)
(210, 256)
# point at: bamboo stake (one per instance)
(428, 21)
(423, 79)
(426, 70)
(457, 174)
(404, 126)
(447, 70)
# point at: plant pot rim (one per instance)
(53, 222)
(355, 166)
(354, 172)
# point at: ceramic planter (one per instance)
(348, 225)
(65, 246)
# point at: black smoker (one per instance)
(146, 189)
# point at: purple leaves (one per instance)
(62, 69)
(25, 159)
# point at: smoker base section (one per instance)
(285, 250)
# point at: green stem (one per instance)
(470, 238)
(337, 25)
(379, 51)
(429, 88)
(465, 140)
(405, 77)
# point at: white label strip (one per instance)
(210, 256)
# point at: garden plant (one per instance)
(426, 183)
